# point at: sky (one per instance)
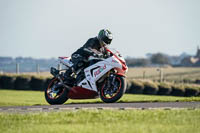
(52, 28)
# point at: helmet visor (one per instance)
(106, 40)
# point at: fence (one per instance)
(37, 68)
(184, 75)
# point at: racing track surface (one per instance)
(120, 106)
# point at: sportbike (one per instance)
(103, 77)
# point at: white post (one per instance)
(144, 72)
(59, 67)
(17, 68)
(161, 75)
(38, 69)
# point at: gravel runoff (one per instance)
(100, 106)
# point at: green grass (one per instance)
(103, 121)
(22, 98)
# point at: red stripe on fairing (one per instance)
(63, 57)
(124, 67)
(81, 93)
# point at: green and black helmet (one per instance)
(105, 37)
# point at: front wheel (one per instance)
(112, 93)
(55, 93)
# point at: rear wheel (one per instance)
(55, 93)
(112, 93)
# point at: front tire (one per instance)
(111, 98)
(55, 95)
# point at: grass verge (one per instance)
(99, 121)
(29, 98)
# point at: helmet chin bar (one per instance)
(102, 43)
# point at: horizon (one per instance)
(124, 57)
(49, 29)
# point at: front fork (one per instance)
(111, 80)
(111, 86)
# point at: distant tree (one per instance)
(5, 59)
(133, 62)
(187, 62)
(159, 58)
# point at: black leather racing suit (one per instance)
(80, 57)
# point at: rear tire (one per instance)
(62, 97)
(120, 91)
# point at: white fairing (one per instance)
(96, 71)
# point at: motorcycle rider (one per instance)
(80, 57)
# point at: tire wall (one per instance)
(147, 87)
(23, 82)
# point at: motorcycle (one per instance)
(104, 78)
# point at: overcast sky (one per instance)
(52, 28)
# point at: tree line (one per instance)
(156, 59)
